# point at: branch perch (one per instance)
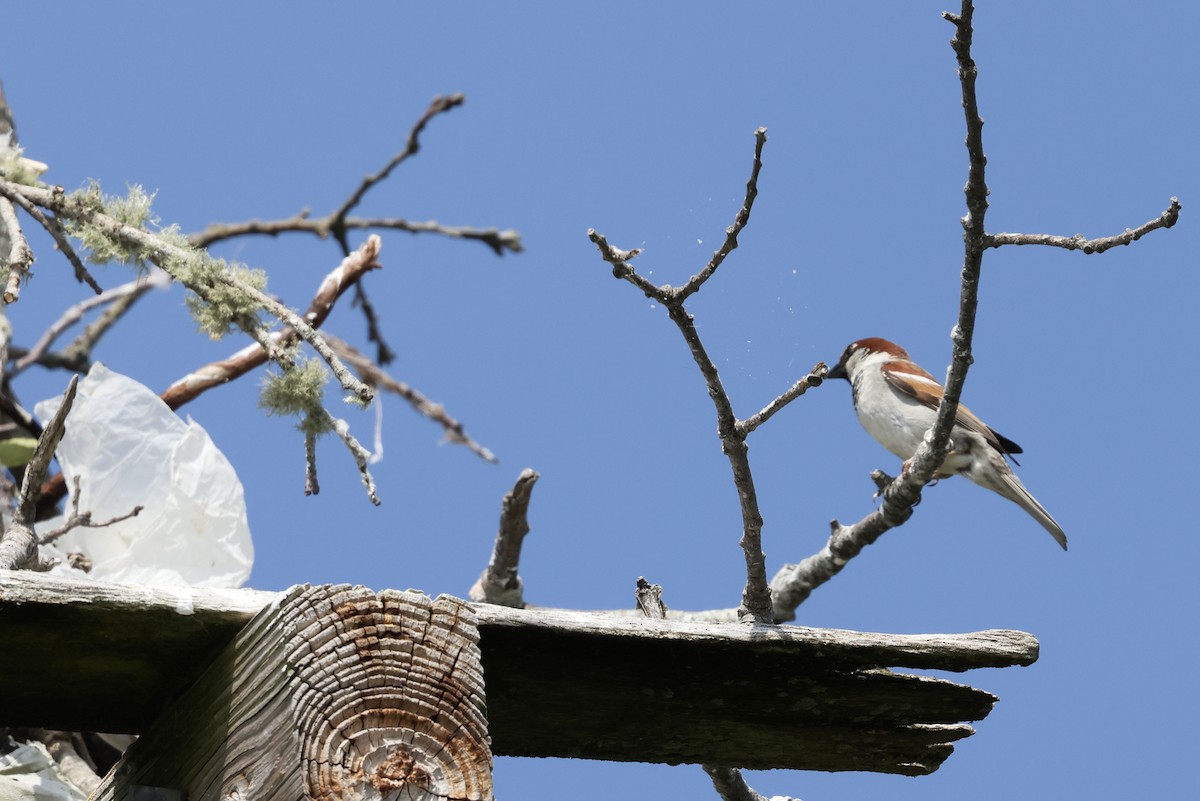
(793, 583)
(756, 597)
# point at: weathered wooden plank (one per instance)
(559, 683)
(90, 656)
(329, 693)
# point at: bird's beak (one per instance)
(838, 371)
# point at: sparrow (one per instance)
(896, 401)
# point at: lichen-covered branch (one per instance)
(174, 258)
(377, 378)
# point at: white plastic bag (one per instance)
(129, 449)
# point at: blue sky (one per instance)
(638, 120)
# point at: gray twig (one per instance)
(500, 242)
(128, 292)
(18, 544)
(756, 597)
(374, 376)
(56, 232)
(499, 583)
(731, 786)
(19, 255)
(79, 519)
(1078, 242)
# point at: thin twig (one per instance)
(55, 230)
(815, 377)
(756, 597)
(731, 786)
(78, 519)
(500, 242)
(199, 381)
(376, 377)
(499, 583)
(19, 256)
(362, 457)
(74, 314)
(18, 544)
(739, 222)
(794, 583)
(383, 352)
(163, 253)
(438, 106)
(311, 485)
(80, 348)
(332, 286)
(1078, 242)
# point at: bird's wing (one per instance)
(908, 378)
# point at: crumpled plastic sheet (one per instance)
(29, 773)
(130, 449)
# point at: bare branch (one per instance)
(1078, 242)
(18, 544)
(500, 242)
(332, 287)
(499, 583)
(197, 382)
(55, 230)
(756, 597)
(83, 520)
(311, 486)
(794, 583)
(375, 377)
(128, 291)
(619, 259)
(19, 256)
(338, 222)
(438, 106)
(362, 457)
(731, 233)
(731, 785)
(815, 378)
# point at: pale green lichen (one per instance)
(133, 210)
(18, 169)
(300, 391)
(216, 306)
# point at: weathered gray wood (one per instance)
(91, 656)
(329, 693)
(559, 683)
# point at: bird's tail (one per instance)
(1012, 488)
